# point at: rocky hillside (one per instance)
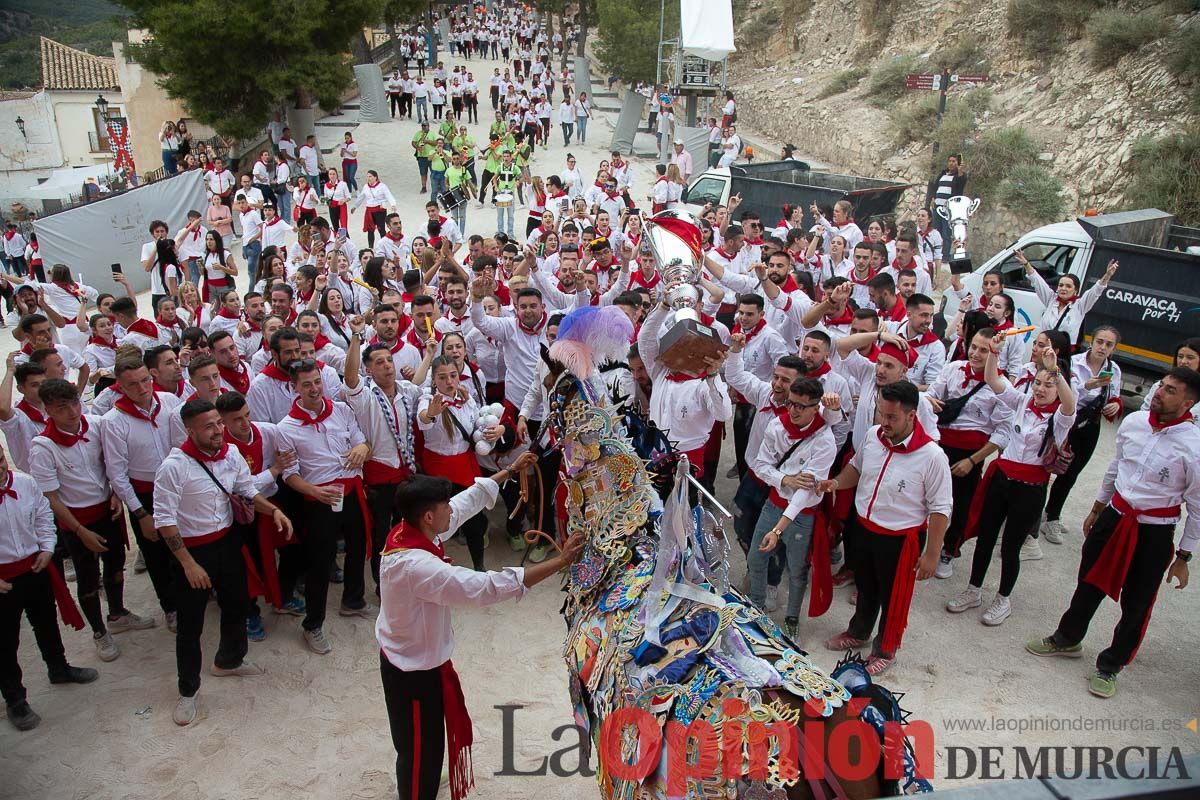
(829, 80)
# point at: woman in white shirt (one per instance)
(169, 144)
(448, 417)
(729, 111)
(219, 267)
(337, 195)
(304, 201)
(1065, 306)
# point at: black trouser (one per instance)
(378, 224)
(247, 536)
(396, 105)
(472, 106)
(964, 490)
(32, 594)
(322, 530)
(485, 183)
(87, 571)
(437, 110)
(548, 464)
(456, 103)
(743, 418)
(1082, 440)
(874, 574)
(495, 92)
(292, 562)
(381, 501)
(474, 530)
(226, 569)
(417, 719)
(157, 557)
(267, 193)
(406, 105)
(1151, 557)
(1017, 506)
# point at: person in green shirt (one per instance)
(490, 165)
(422, 143)
(465, 143)
(449, 128)
(499, 128)
(457, 177)
(439, 160)
(507, 176)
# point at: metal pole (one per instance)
(662, 15)
(940, 111)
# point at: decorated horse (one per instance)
(684, 687)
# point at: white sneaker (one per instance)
(998, 611)
(129, 621)
(139, 564)
(1031, 550)
(969, 597)
(772, 598)
(317, 642)
(185, 711)
(945, 567)
(106, 647)
(836, 556)
(1053, 530)
(68, 570)
(246, 669)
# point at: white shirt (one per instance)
(319, 448)
(521, 351)
(380, 433)
(395, 250)
(76, 472)
(813, 455)
(19, 430)
(454, 443)
(983, 412)
(134, 448)
(26, 521)
(1155, 470)
(186, 497)
(15, 247)
(417, 589)
(1081, 372)
(64, 302)
(309, 156)
(377, 196)
(1024, 431)
(1056, 318)
(192, 246)
(99, 357)
(219, 182)
(251, 223)
(274, 233)
(901, 490)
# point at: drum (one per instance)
(453, 198)
(504, 200)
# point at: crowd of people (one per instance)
(260, 424)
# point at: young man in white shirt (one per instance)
(418, 587)
(30, 585)
(26, 418)
(251, 222)
(903, 502)
(330, 450)
(309, 157)
(193, 496)
(67, 460)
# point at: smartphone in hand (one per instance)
(116, 267)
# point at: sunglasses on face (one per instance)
(798, 406)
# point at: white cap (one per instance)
(679, 141)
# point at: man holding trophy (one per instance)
(689, 397)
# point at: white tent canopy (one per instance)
(62, 183)
(706, 28)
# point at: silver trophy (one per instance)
(957, 211)
(688, 343)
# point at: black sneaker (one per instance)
(336, 575)
(23, 717)
(791, 627)
(74, 675)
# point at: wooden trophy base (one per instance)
(688, 345)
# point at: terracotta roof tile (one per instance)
(66, 68)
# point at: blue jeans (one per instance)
(349, 171)
(437, 183)
(168, 159)
(798, 538)
(501, 213)
(283, 206)
(459, 215)
(423, 167)
(581, 126)
(251, 252)
(567, 129)
(422, 109)
(315, 182)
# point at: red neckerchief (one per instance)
(252, 450)
(682, 377)
(303, 298)
(145, 327)
(8, 491)
(291, 317)
(27, 349)
(31, 412)
(969, 375)
(189, 448)
(177, 391)
(297, 412)
(928, 337)
(1043, 411)
(721, 252)
(564, 289)
(537, 329)
(330, 186)
(457, 321)
(634, 239)
(854, 279)
(227, 314)
(896, 265)
(873, 355)
(273, 370)
(845, 318)
(790, 284)
(64, 439)
(71, 288)
(819, 371)
(394, 348)
(1156, 425)
(397, 239)
(917, 440)
(897, 312)
(795, 432)
(9, 236)
(637, 279)
(750, 334)
(452, 402)
(983, 302)
(173, 324)
(102, 342)
(238, 379)
(755, 242)
(1067, 302)
(1002, 326)
(319, 341)
(273, 221)
(132, 409)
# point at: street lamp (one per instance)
(21, 127)
(102, 108)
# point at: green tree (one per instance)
(628, 36)
(234, 65)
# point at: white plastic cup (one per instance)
(337, 507)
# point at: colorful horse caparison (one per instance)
(656, 635)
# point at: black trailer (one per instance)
(766, 187)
